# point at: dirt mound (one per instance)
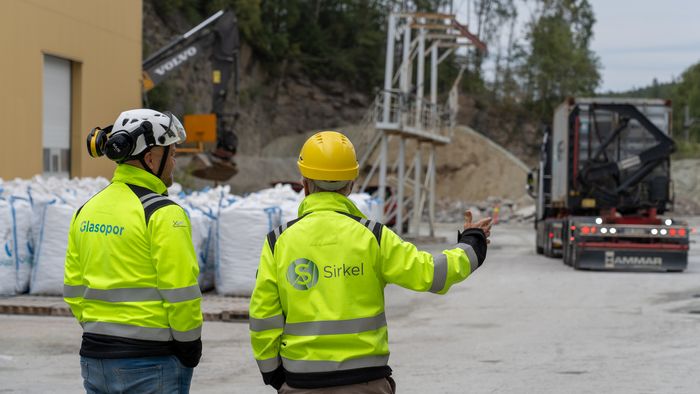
(472, 170)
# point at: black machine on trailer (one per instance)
(603, 184)
(217, 36)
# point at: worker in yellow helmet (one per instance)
(131, 269)
(317, 322)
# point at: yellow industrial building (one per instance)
(67, 66)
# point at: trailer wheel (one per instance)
(568, 255)
(572, 257)
(538, 241)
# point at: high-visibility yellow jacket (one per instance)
(318, 302)
(131, 269)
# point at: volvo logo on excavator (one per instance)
(176, 60)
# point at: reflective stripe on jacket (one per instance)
(318, 302)
(131, 271)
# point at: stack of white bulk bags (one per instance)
(228, 231)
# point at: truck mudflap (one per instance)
(627, 259)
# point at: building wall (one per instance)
(102, 39)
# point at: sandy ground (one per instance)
(522, 324)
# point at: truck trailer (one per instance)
(603, 187)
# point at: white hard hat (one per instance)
(135, 131)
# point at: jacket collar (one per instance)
(126, 173)
(328, 201)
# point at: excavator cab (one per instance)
(217, 165)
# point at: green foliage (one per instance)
(686, 150)
(159, 97)
(192, 10)
(338, 39)
(683, 93)
(559, 62)
(686, 93)
(655, 90)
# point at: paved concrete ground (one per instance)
(522, 324)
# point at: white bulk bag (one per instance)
(201, 227)
(240, 236)
(7, 258)
(50, 252)
(282, 196)
(23, 252)
(367, 205)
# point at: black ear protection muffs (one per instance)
(118, 145)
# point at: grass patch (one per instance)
(687, 150)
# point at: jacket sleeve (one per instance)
(267, 320)
(175, 261)
(403, 264)
(73, 288)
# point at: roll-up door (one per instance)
(56, 116)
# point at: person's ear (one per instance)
(148, 159)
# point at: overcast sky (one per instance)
(636, 40)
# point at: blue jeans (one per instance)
(157, 375)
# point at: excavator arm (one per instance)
(218, 37)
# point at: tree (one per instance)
(686, 93)
(559, 62)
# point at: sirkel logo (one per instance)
(302, 274)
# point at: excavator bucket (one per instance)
(208, 166)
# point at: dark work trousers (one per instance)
(379, 386)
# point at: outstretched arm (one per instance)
(403, 264)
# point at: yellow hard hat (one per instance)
(328, 156)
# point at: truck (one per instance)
(603, 187)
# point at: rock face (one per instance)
(686, 186)
(270, 106)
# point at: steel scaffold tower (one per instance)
(402, 113)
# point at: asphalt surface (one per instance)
(522, 323)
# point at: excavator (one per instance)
(218, 36)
